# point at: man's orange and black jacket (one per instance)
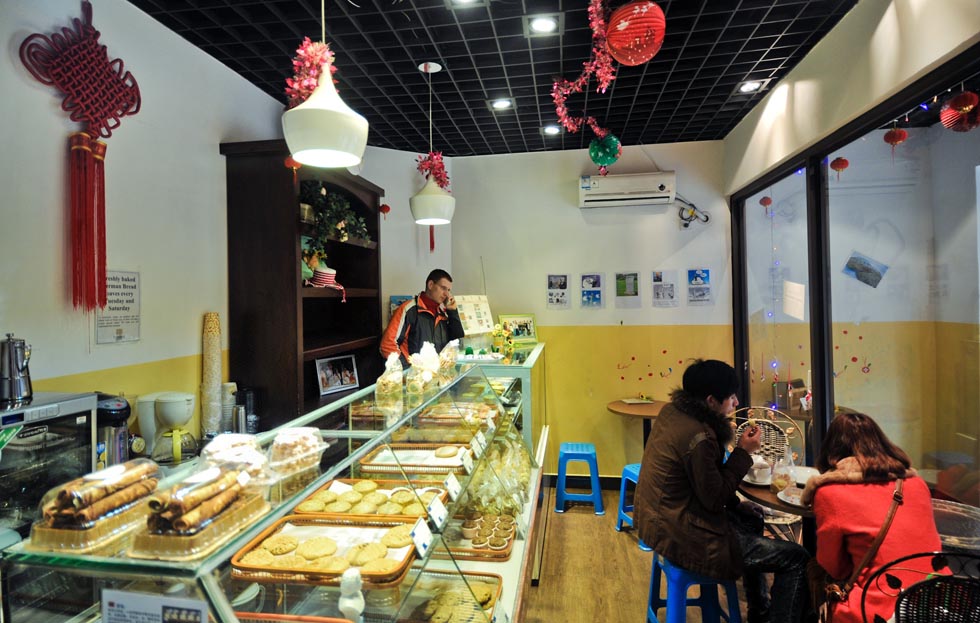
(416, 321)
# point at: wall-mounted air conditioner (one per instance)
(636, 189)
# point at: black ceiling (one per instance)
(686, 93)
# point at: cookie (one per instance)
(399, 536)
(415, 510)
(483, 593)
(317, 547)
(310, 506)
(375, 497)
(326, 496)
(402, 497)
(337, 507)
(428, 496)
(280, 544)
(381, 565)
(258, 557)
(351, 497)
(330, 564)
(446, 452)
(365, 486)
(390, 508)
(364, 508)
(363, 553)
(289, 561)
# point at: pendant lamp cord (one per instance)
(429, 76)
(323, 22)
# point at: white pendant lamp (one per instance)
(323, 131)
(433, 205)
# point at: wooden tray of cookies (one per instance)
(297, 549)
(413, 458)
(467, 548)
(390, 489)
(430, 586)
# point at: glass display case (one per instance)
(436, 505)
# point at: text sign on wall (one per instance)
(120, 320)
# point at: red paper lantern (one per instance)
(765, 202)
(964, 102)
(839, 164)
(291, 163)
(384, 209)
(636, 32)
(895, 136)
(956, 121)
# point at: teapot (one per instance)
(15, 378)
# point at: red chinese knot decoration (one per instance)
(636, 32)
(98, 92)
(839, 164)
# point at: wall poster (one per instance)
(474, 313)
(665, 288)
(592, 290)
(699, 287)
(558, 292)
(119, 321)
(628, 290)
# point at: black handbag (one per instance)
(826, 592)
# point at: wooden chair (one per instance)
(947, 589)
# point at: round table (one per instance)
(764, 497)
(646, 410)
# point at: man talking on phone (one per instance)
(429, 317)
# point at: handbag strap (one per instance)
(897, 500)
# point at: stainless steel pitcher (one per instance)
(15, 378)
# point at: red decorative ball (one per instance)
(896, 136)
(765, 202)
(839, 164)
(636, 32)
(964, 102)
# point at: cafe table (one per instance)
(645, 409)
(763, 496)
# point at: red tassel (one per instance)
(98, 174)
(79, 160)
(432, 238)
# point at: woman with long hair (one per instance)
(859, 467)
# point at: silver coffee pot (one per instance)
(15, 378)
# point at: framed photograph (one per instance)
(521, 326)
(335, 374)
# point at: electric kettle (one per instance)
(15, 378)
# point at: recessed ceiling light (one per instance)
(500, 104)
(464, 4)
(748, 87)
(551, 130)
(544, 24)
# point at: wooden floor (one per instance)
(591, 573)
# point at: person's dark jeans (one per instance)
(787, 562)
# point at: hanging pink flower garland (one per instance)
(433, 165)
(600, 64)
(310, 59)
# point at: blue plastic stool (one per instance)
(631, 473)
(677, 602)
(578, 452)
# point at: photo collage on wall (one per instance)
(665, 289)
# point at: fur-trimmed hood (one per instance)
(694, 407)
(849, 472)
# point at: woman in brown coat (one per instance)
(686, 507)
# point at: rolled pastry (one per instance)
(207, 510)
(184, 497)
(81, 492)
(106, 505)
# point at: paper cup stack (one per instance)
(211, 375)
(228, 391)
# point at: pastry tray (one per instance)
(175, 547)
(464, 550)
(341, 485)
(416, 458)
(345, 532)
(452, 580)
(102, 538)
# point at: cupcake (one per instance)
(470, 529)
(480, 542)
(503, 533)
(490, 518)
(474, 515)
(485, 531)
(497, 543)
(506, 520)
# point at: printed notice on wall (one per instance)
(474, 313)
(127, 607)
(120, 320)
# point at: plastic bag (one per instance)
(389, 385)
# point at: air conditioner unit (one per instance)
(637, 189)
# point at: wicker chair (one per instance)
(950, 593)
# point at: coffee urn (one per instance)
(112, 435)
(15, 377)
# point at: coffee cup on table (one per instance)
(760, 470)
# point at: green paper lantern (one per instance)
(604, 151)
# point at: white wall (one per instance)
(517, 220)
(877, 49)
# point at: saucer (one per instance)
(759, 483)
(791, 495)
(801, 473)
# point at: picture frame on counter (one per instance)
(522, 327)
(336, 374)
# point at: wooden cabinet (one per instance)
(277, 327)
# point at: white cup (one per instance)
(760, 470)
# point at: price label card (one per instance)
(468, 462)
(477, 447)
(438, 513)
(452, 485)
(491, 426)
(421, 536)
(481, 439)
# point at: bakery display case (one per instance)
(436, 505)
